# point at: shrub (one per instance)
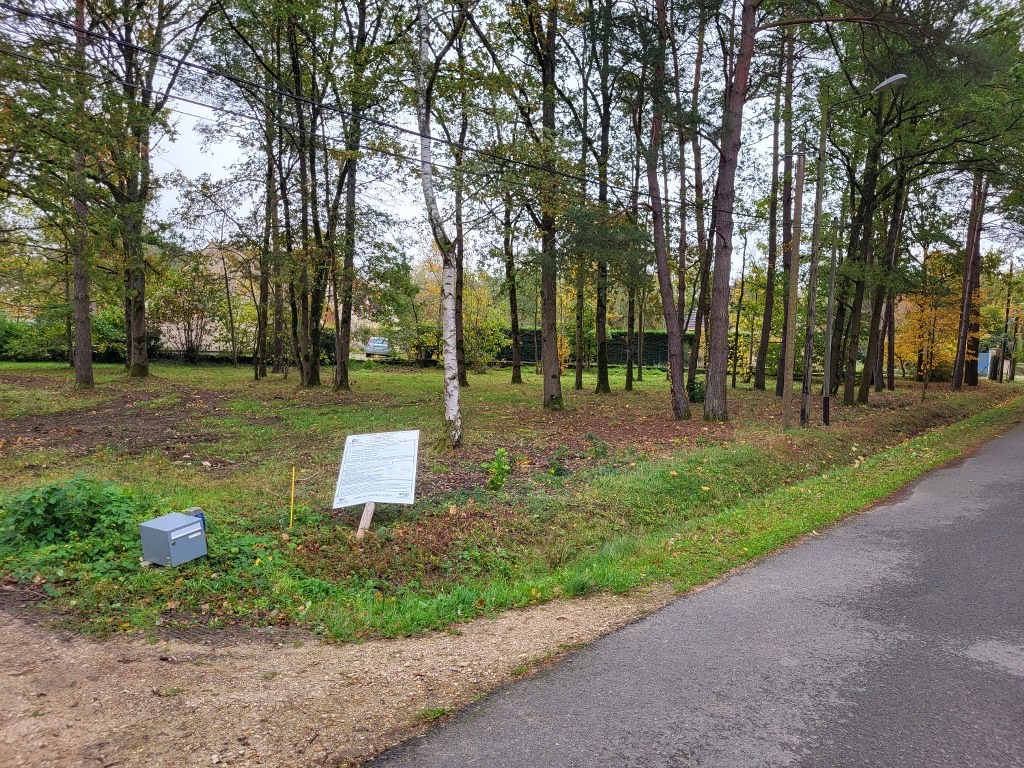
(76, 508)
(695, 390)
(108, 335)
(11, 332)
(33, 340)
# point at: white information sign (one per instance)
(379, 467)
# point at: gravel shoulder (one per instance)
(294, 700)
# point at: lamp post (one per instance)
(890, 83)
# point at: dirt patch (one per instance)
(586, 433)
(273, 701)
(129, 421)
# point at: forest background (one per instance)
(580, 169)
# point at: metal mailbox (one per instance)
(172, 539)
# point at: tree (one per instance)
(427, 72)
(715, 406)
(680, 404)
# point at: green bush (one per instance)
(73, 509)
(72, 532)
(695, 390)
(33, 340)
(11, 332)
(108, 335)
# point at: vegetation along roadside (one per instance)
(610, 495)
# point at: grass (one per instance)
(432, 715)
(612, 495)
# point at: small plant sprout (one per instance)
(498, 469)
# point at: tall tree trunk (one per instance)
(878, 379)
(536, 329)
(513, 305)
(82, 358)
(601, 52)
(739, 312)
(868, 204)
(1003, 346)
(974, 327)
(793, 296)
(715, 402)
(705, 247)
(680, 405)
(308, 366)
(580, 285)
(135, 258)
(640, 318)
(261, 346)
(972, 270)
(452, 411)
(684, 132)
(872, 362)
(603, 387)
(343, 330)
(546, 38)
(231, 309)
(700, 317)
(773, 244)
(460, 235)
(1015, 347)
(279, 239)
(890, 318)
(630, 333)
(787, 207)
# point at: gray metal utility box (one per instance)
(172, 539)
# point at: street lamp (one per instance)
(890, 83)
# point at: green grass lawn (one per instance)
(611, 494)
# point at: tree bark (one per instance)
(972, 270)
(460, 235)
(1003, 347)
(794, 285)
(872, 363)
(513, 305)
(868, 204)
(231, 309)
(773, 246)
(452, 411)
(739, 312)
(787, 207)
(715, 402)
(890, 317)
(680, 405)
(641, 329)
(82, 309)
(580, 285)
(545, 39)
(601, 52)
(630, 332)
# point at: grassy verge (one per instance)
(610, 495)
(686, 552)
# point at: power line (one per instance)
(414, 162)
(215, 72)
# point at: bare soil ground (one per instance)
(126, 422)
(133, 419)
(263, 698)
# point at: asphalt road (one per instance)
(893, 640)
